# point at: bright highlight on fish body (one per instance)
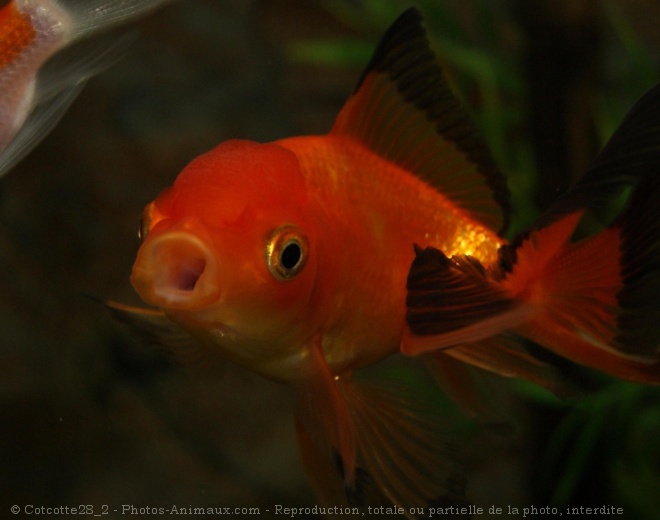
(34, 95)
(312, 258)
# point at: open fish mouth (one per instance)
(176, 270)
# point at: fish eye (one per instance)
(286, 252)
(145, 222)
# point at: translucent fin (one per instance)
(155, 329)
(403, 110)
(627, 168)
(459, 381)
(587, 309)
(639, 299)
(631, 155)
(91, 16)
(606, 287)
(38, 124)
(382, 437)
(325, 431)
(46, 76)
(504, 355)
(404, 445)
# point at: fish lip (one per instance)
(176, 269)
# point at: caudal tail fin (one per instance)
(593, 298)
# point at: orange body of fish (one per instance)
(36, 94)
(296, 259)
(327, 202)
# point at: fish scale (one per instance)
(380, 217)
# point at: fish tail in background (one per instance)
(591, 298)
(36, 91)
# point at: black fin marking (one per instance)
(361, 488)
(629, 163)
(405, 111)
(630, 155)
(639, 321)
(446, 294)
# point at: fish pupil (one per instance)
(291, 255)
(286, 252)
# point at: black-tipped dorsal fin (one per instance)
(404, 110)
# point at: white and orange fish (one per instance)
(293, 258)
(33, 96)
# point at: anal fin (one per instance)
(404, 443)
(373, 440)
(325, 430)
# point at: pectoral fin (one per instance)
(452, 301)
(592, 300)
(455, 309)
(154, 328)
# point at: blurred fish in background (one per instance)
(93, 417)
(35, 96)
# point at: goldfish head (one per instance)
(230, 252)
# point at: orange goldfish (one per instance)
(36, 94)
(293, 258)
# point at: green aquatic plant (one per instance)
(606, 439)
